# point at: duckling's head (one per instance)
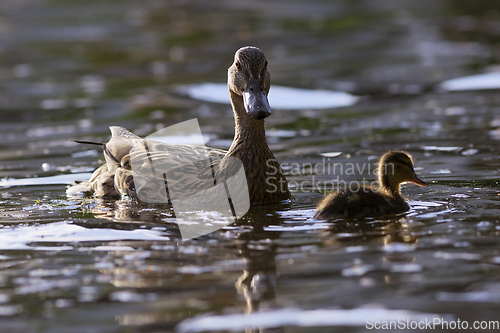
(395, 168)
(249, 77)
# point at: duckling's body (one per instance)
(357, 201)
(100, 184)
(248, 84)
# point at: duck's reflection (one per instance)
(183, 267)
(257, 284)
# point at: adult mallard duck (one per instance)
(248, 83)
(356, 201)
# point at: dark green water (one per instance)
(70, 69)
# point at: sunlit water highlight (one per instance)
(28, 237)
(301, 318)
(279, 97)
(58, 179)
(473, 82)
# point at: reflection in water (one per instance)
(380, 232)
(257, 284)
(131, 213)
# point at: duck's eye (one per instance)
(265, 64)
(237, 64)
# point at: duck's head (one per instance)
(395, 168)
(249, 77)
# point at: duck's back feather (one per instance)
(118, 131)
(151, 164)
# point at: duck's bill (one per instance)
(418, 181)
(255, 101)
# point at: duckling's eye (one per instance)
(237, 64)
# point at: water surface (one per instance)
(71, 69)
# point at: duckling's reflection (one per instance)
(382, 232)
(128, 214)
(378, 233)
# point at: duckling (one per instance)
(248, 84)
(100, 184)
(354, 201)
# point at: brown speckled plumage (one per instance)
(356, 201)
(266, 182)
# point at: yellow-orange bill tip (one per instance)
(418, 181)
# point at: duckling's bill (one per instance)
(418, 181)
(255, 100)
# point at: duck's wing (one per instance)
(119, 146)
(144, 168)
(184, 169)
(181, 152)
(123, 142)
(118, 131)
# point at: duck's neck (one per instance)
(248, 130)
(266, 182)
